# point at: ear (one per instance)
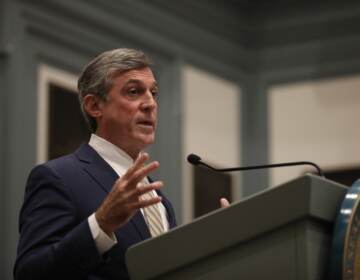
(92, 105)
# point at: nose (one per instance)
(149, 101)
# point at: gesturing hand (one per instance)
(125, 197)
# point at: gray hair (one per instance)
(97, 77)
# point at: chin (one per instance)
(150, 141)
(147, 140)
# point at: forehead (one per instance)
(142, 75)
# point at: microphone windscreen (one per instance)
(194, 159)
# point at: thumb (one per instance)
(224, 202)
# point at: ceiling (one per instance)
(259, 24)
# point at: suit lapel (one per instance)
(97, 167)
(105, 176)
(139, 223)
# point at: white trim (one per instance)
(46, 75)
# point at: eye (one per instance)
(155, 92)
(133, 91)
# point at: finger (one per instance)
(141, 173)
(146, 202)
(130, 182)
(224, 203)
(145, 188)
(138, 163)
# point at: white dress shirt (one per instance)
(120, 162)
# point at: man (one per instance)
(81, 212)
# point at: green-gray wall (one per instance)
(253, 45)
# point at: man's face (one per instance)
(129, 114)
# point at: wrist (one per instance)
(103, 225)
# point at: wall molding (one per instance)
(82, 22)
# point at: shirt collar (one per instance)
(118, 159)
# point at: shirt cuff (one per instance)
(102, 240)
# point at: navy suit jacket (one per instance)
(55, 238)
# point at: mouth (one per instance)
(146, 123)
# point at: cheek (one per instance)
(124, 114)
(156, 114)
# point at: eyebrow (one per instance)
(137, 81)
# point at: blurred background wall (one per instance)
(242, 82)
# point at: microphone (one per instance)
(196, 160)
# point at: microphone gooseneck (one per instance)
(196, 160)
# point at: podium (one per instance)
(281, 233)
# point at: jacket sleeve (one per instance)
(54, 243)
